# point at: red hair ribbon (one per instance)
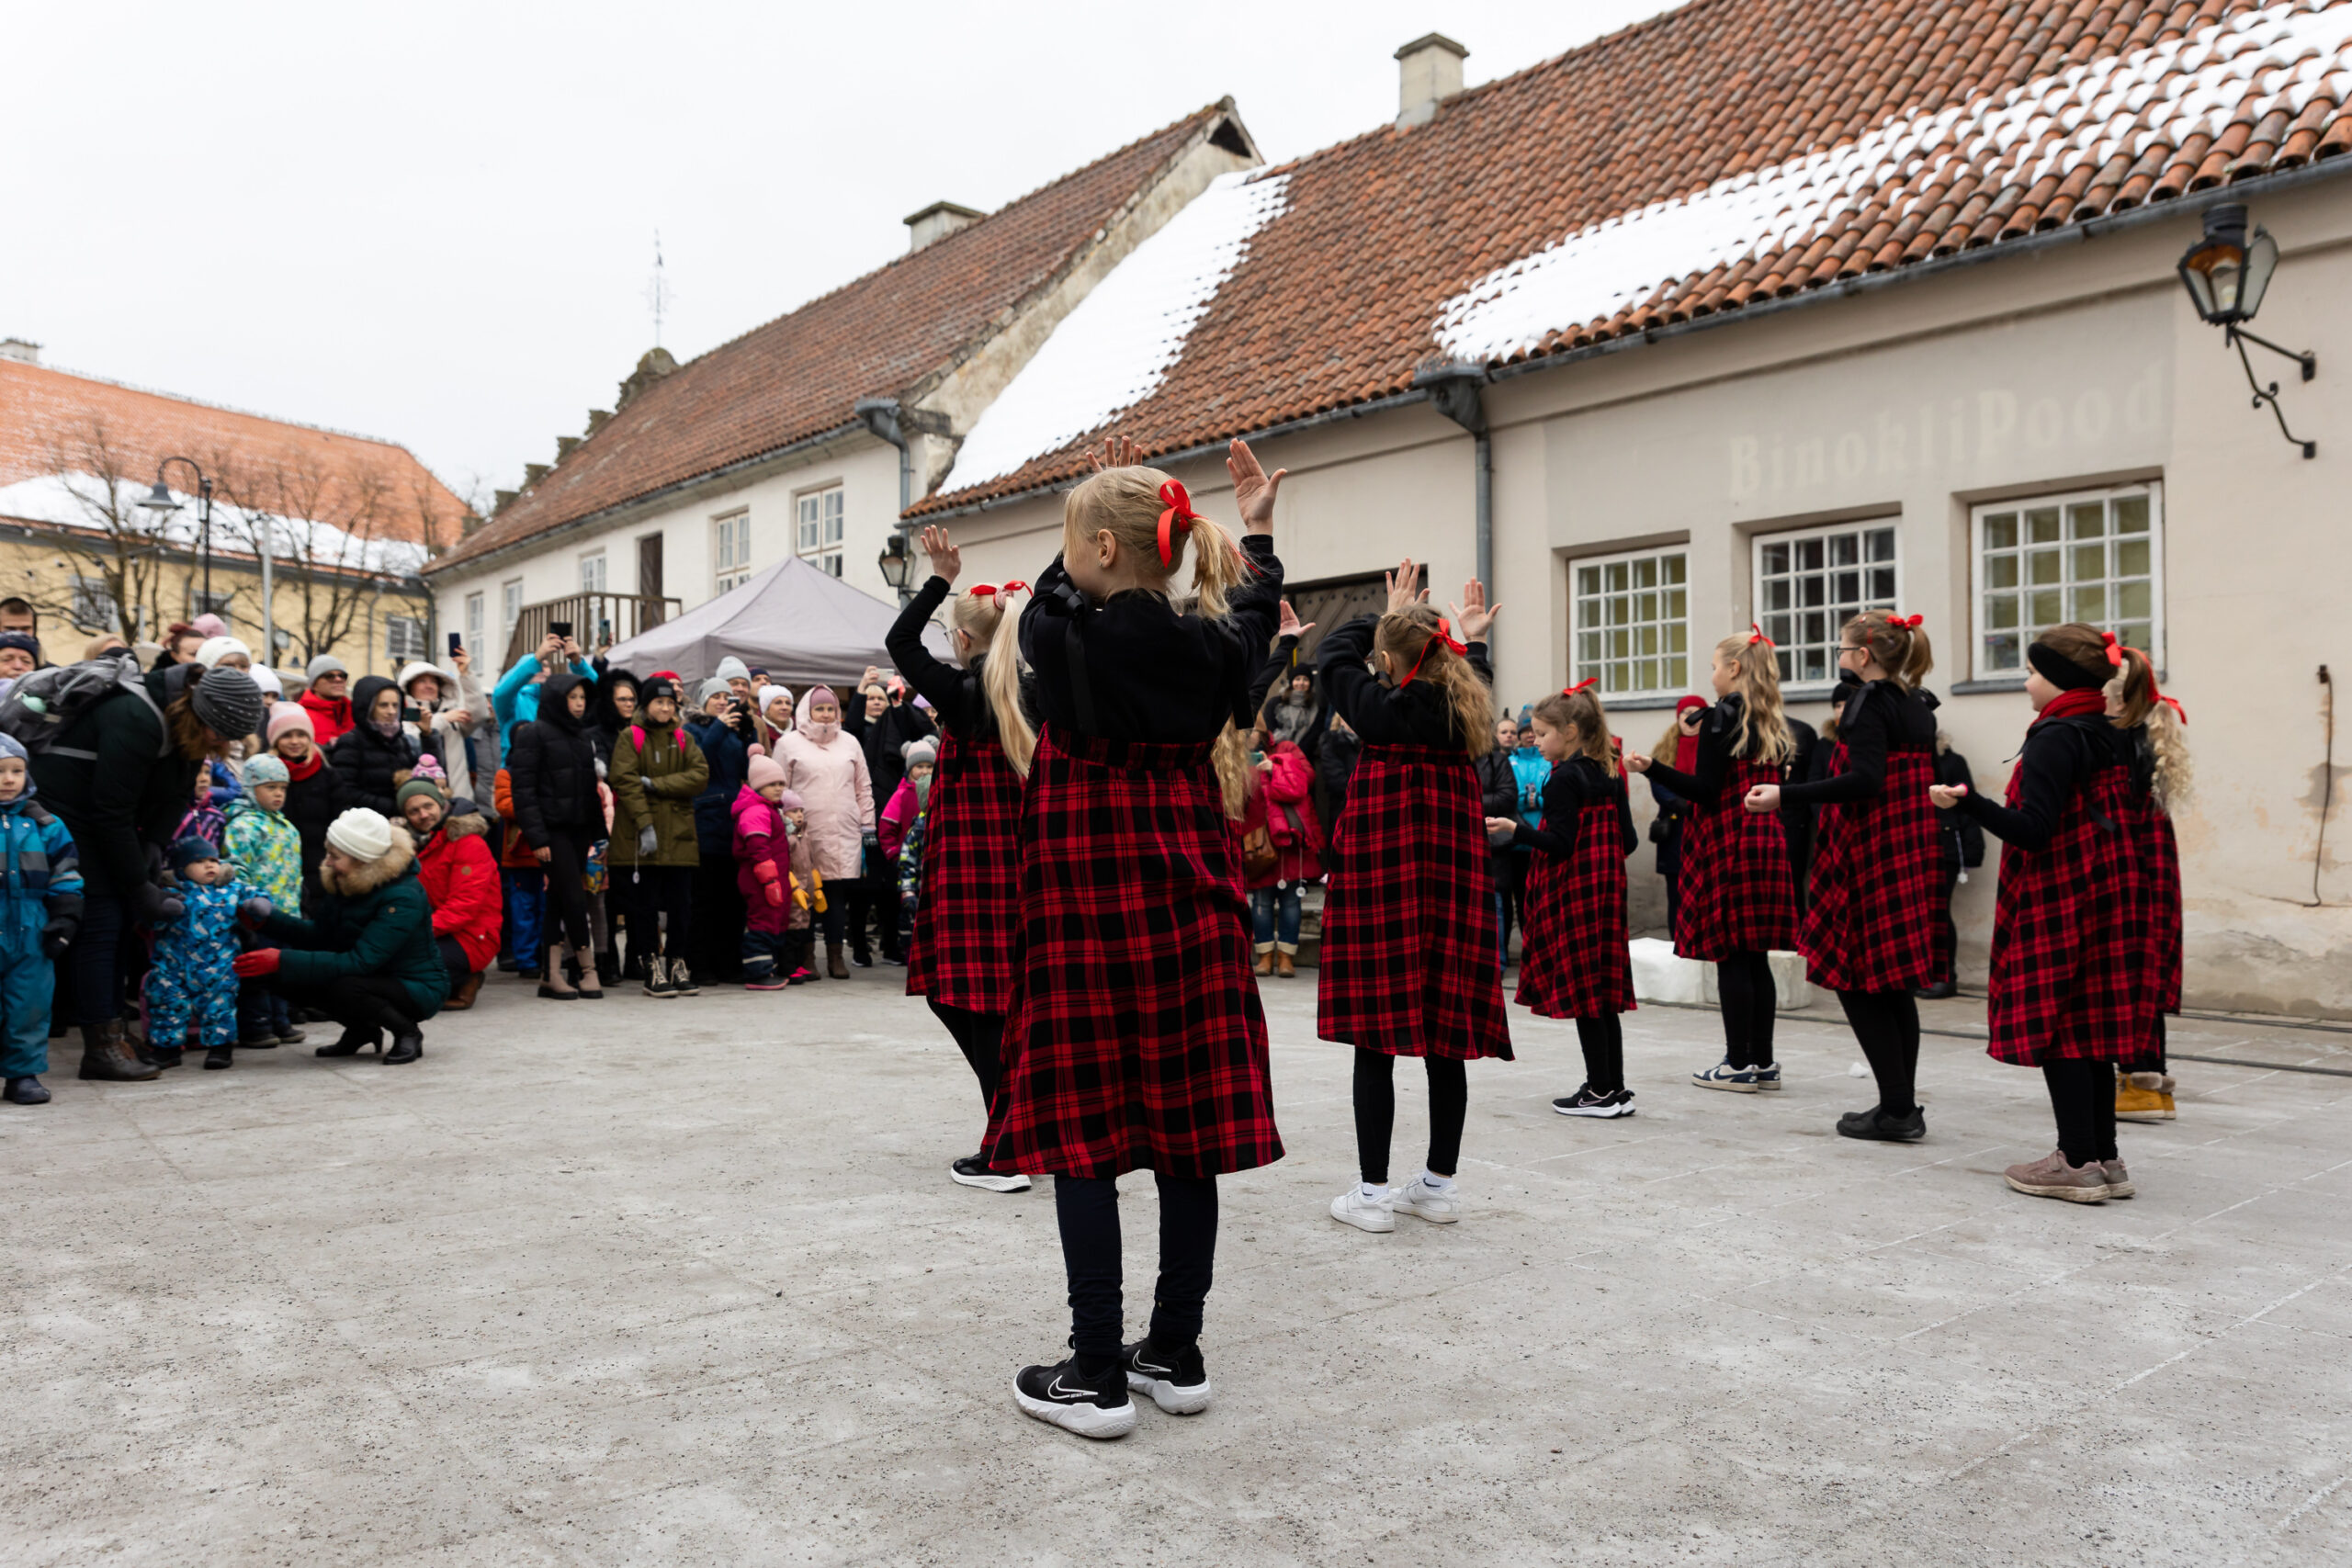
(1756, 635)
(1444, 633)
(1908, 623)
(989, 590)
(1580, 685)
(2156, 693)
(1176, 516)
(2114, 649)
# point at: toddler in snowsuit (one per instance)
(40, 908)
(775, 902)
(192, 988)
(265, 847)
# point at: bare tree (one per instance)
(108, 538)
(336, 532)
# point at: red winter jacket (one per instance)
(460, 879)
(1291, 821)
(330, 720)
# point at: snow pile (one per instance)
(1117, 346)
(2280, 56)
(79, 501)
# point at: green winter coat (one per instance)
(267, 849)
(657, 784)
(374, 921)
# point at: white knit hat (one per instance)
(212, 651)
(362, 834)
(412, 670)
(732, 669)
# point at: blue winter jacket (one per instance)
(40, 872)
(516, 698)
(1527, 764)
(729, 756)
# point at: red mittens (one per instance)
(260, 961)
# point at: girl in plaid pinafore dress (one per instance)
(966, 907)
(1134, 1038)
(1409, 965)
(1869, 933)
(2071, 990)
(1577, 963)
(1738, 897)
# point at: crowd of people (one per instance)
(1088, 834)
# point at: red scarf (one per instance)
(2065, 705)
(1686, 747)
(306, 767)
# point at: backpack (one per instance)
(42, 705)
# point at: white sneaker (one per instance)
(1417, 1197)
(1353, 1207)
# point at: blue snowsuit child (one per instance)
(192, 989)
(40, 908)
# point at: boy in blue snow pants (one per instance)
(192, 989)
(40, 908)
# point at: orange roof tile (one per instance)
(1725, 154)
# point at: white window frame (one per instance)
(1980, 584)
(473, 620)
(731, 549)
(510, 605)
(819, 529)
(93, 607)
(417, 648)
(1579, 666)
(592, 571)
(1790, 646)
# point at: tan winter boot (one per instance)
(1265, 964)
(1283, 966)
(2143, 1096)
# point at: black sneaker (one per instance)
(262, 1042)
(683, 982)
(973, 1172)
(1097, 1407)
(1177, 1381)
(219, 1056)
(1591, 1101)
(1876, 1124)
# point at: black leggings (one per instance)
(567, 895)
(1744, 987)
(652, 892)
(2082, 1096)
(1088, 1208)
(1603, 1040)
(367, 1003)
(1377, 1112)
(980, 1036)
(98, 961)
(1887, 1025)
(454, 962)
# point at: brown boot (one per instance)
(1283, 968)
(834, 969)
(465, 996)
(1265, 963)
(105, 1058)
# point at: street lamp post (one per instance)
(159, 500)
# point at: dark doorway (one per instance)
(648, 571)
(1332, 602)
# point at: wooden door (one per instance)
(648, 578)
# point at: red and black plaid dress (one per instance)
(1575, 963)
(1134, 1039)
(968, 910)
(1407, 964)
(2070, 935)
(1738, 894)
(1877, 874)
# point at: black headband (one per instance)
(2060, 670)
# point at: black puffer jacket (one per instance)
(553, 762)
(116, 785)
(311, 806)
(369, 767)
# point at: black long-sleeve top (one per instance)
(1155, 675)
(1575, 784)
(1275, 669)
(1880, 719)
(1704, 787)
(1418, 715)
(2060, 757)
(957, 694)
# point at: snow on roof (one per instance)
(1115, 348)
(2083, 116)
(79, 501)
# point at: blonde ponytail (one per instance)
(1230, 756)
(990, 623)
(1127, 503)
(1757, 679)
(1415, 639)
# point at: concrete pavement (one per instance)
(639, 1282)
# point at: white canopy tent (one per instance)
(800, 625)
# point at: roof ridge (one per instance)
(220, 408)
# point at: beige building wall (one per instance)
(2079, 366)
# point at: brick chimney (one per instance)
(940, 220)
(1429, 70)
(21, 350)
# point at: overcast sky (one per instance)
(436, 223)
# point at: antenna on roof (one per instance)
(656, 291)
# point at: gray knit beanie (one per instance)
(227, 701)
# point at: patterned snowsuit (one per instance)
(192, 989)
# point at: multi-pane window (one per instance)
(592, 572)
(403, 637)
(1809, 585)
(730, 550)
(94, 604)
(200, 602)
(473, 620)
(510, 604)
(820, 539)
(1631, 623)
(2092, 556)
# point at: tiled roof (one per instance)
(1728, 152)
(46, 414)
(800, 375)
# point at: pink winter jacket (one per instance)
(832, 781)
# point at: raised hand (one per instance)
(1289, 624)
(1403, 586)
(1117, 451)
(946, 560)
(1253, 487)
(1474, 614)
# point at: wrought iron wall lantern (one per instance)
(897, 566)
(2226, 272)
